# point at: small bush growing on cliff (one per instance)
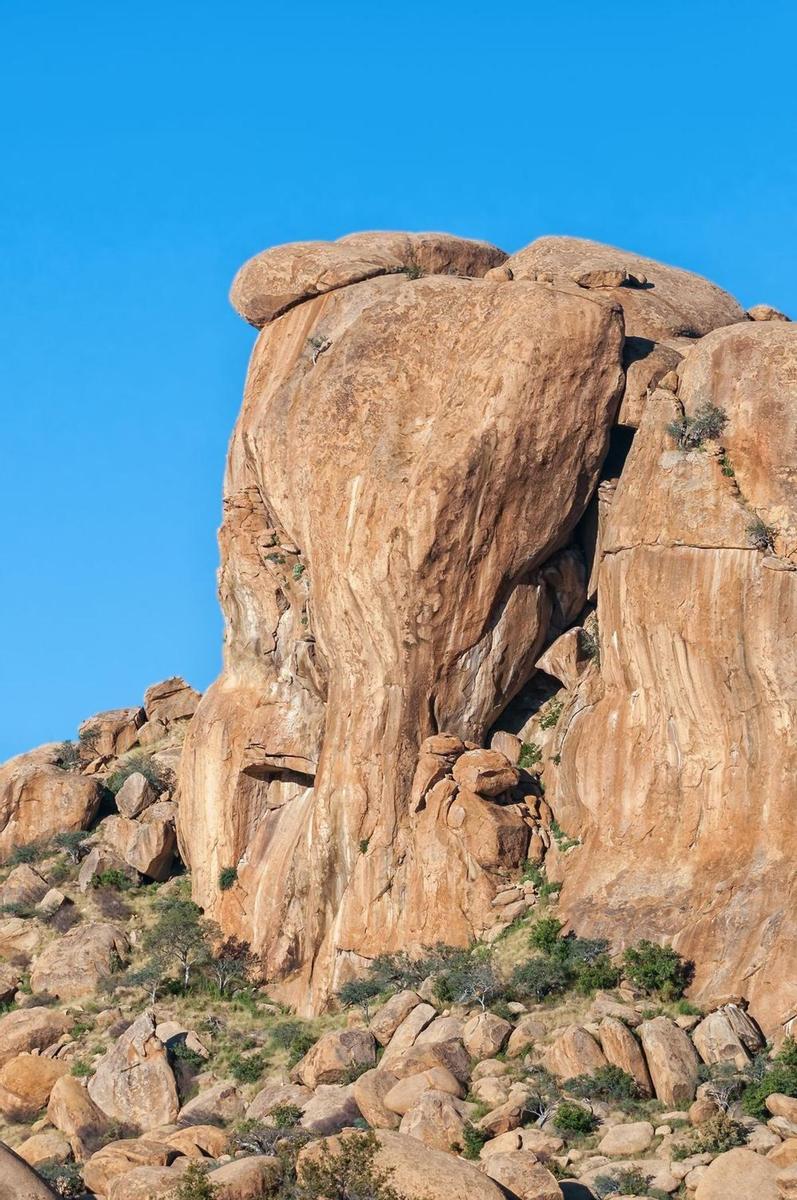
(64, 1178)
(538, 978)
(767, 1076)
(530, 755)
(760, 535)
(68, 756)
(552, 713)
(471, 976)
(658, 970)
(227, 877)
(473, 1139)
(195, 1185)
(689, 433)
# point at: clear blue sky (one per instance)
(148, 149)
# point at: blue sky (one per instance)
(148, 149)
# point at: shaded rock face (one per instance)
(405, 540)
(393, 509)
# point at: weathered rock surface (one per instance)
(73, 965)
(738, 1175)
(370, 607)
(38, 799)
(418, 1170)
(146, 846)
(574, 1052)
(687, 731)
(671, 1060)
(135, 794)
(524, 1177)
(18, 1181)
(25, 1085)
(29, 1029)
(622, 1050)
(334, 1056)
(74, 1113)
(133, 1082)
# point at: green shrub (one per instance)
(598, 975)
(562, 839)
(413, 271)
(348, 1173)
(760, 535)
(195, 1185)
(574, 1118)
(184, 1054)
(530, 755)
(138, 763)
(81, 1068)
(538, 978)
(658, 970)
(29, 853)
(227, 877)
(689, 433)
(247, 1068)
(472, 1140)
(716, 1135)
(607, 1083)
(65, 1179)
(359, 993)
(780, 1075)
(551, 714)
(545, 935)
(112, 878)
(285, 1116)
(68, 756)
(471, 976)
(625, 1181)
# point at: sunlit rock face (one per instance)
(445, 459)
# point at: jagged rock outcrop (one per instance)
(425, 423)
(38, 799)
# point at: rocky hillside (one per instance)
(472, 874)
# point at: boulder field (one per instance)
(452, 507)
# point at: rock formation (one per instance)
(429, 491)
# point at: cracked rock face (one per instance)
(424, 425)
(397, 512)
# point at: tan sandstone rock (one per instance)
(74, 1113)
(25, 1085)
(524, 1177)
(305, 521)
(738, 1175)
(574, 1052)
(334, 1055)
(47, 1146)
(38, 799)
(18, 1180)
(437, 1119)
(671, 1060)
(148, 846)
(485, 1035)
(386, 1020)
(73, 965)
(29, 1029)
(405, 1093)
(133, 1082)
(623, 1050)
(370, 1090)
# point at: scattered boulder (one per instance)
(26, 1082)
(73, 965)
(110, 734)
(29, 1029)
(121, 1158)
(145, 1183)
(671, 1059)
(387, 1019)
(574, 1052)
(442, 1029)
(716, 1040)
(47, 1146)
(626, 1140)
(198, 1141)
(171, 700)
(738, 1175)
(787, 1183)
(23, 886)
(246, 1178)
(220, 1103)
(19, 938)
(135, 794)
(406, 1093)
(765, 312)
(134, 1082)
(782, 1106)
(334, 1056)
(522, 1175)
(72, 1111)
(331, 1108)
(418, 1170)
(38, 799)
(623, 1050)
(99, 860)
(542, 1144)
(784, 1154)
(485, 1035)
(148, 846)
(275, 1094)
(9, 981)
(18, 1180)
(452, 1055)
(527, 1032)
(407, 1032)
(369, 1092)
(437, 1119)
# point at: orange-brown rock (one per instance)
(29, 1029)
(39, 799)
(574, 1052)
(121, 1157)
(25, 1085)
(47, 1146)
(671, 1059)
(334, 1055)
(109, 734)
(485, 772)
(74, 1113)
(688, 734)
(19, 1181)
(276, 280)
(146, 846)
(393, 510)
(437, 1119)
(370, 1090)
(623, 1050)
(133, 1082)
(522, 1175)
(73, 965)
